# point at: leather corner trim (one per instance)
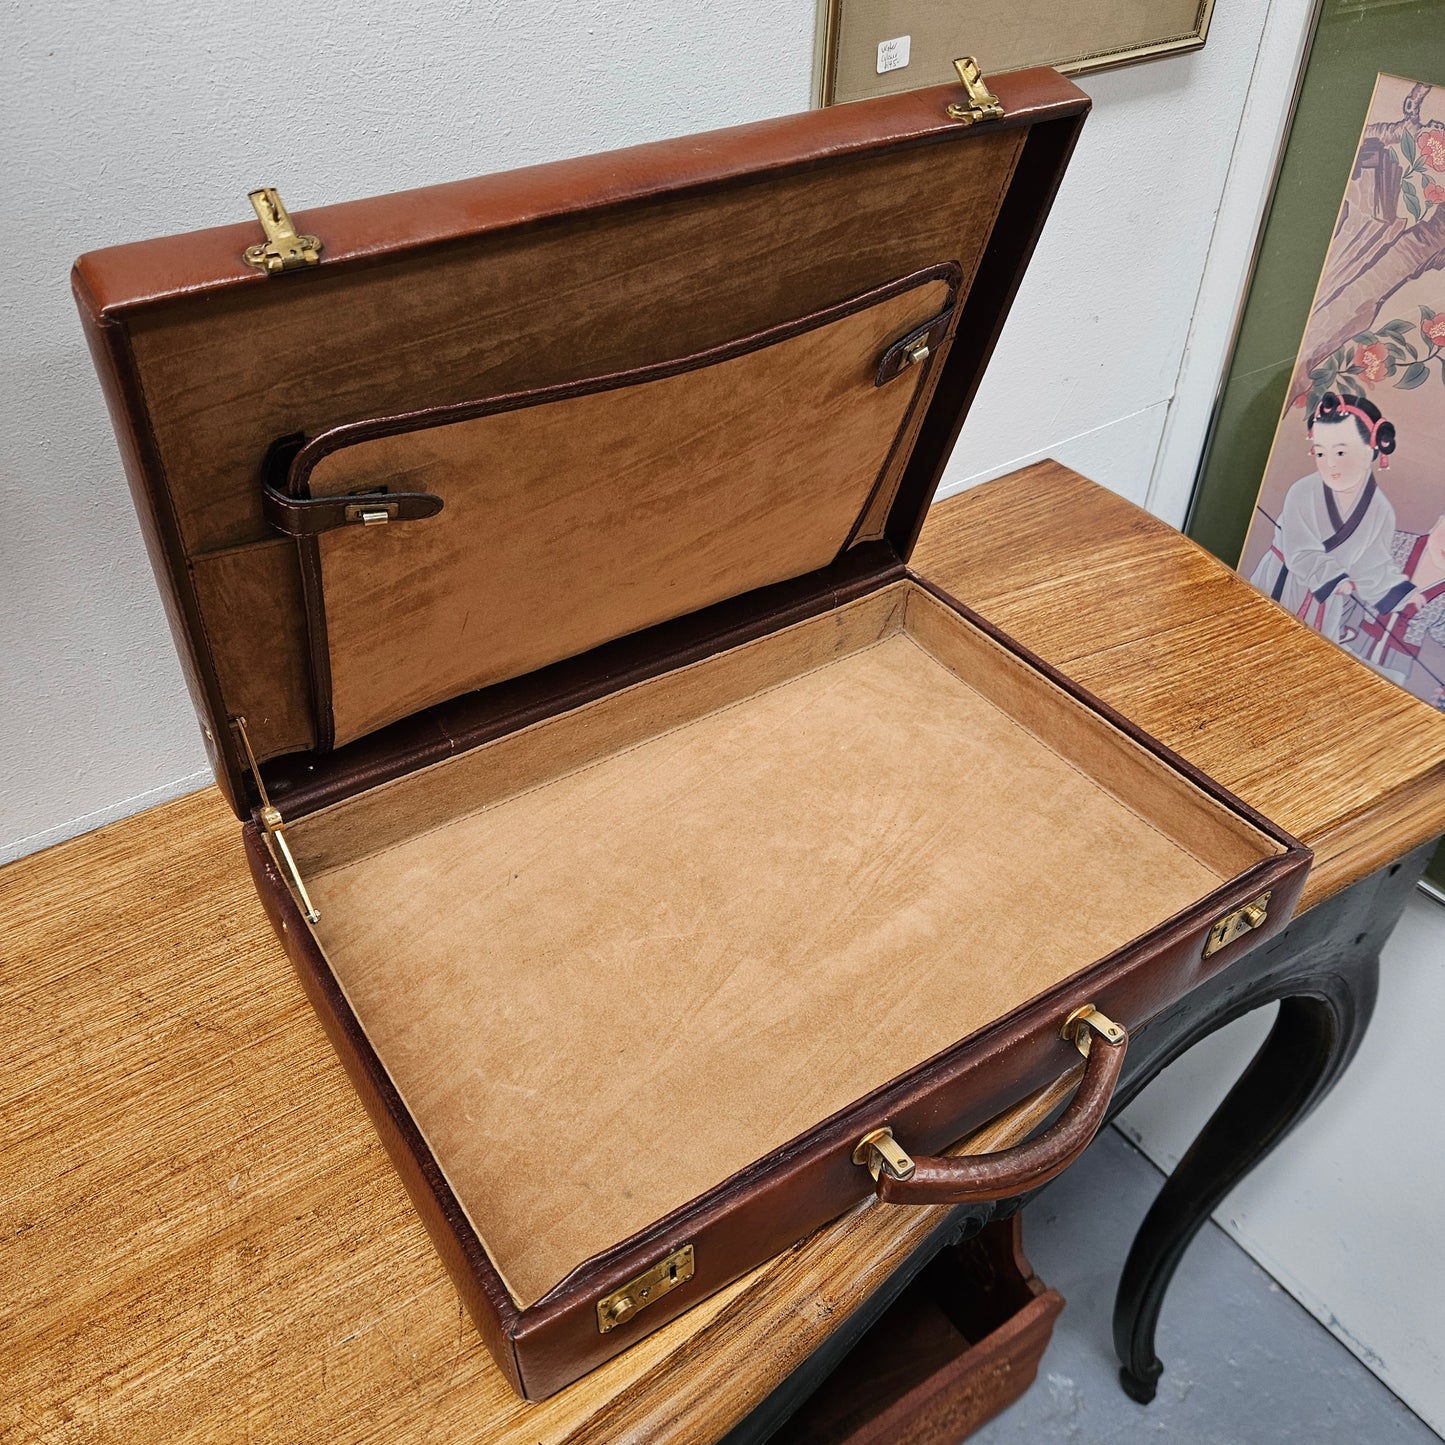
(310, 516)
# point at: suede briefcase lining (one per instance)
(586, 512)
(702, 914)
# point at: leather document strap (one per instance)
(305, 518)
(310, 516)
(969, 1179)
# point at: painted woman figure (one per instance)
(1391, 641)
(1335, 531)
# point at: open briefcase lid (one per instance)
(481, 430)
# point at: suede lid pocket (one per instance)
(574, 514)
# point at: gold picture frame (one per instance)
(867, 48)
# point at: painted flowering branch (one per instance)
(1375, 357)
(1421, 155)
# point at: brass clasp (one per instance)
(916, 352)
(647, 1288)
(1234, 925)
(983, 104)
(371, 514)
(283, 249)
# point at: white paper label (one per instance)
(893, 54)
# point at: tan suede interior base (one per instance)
(705, 913)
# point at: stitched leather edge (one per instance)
(352, 433)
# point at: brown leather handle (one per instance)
(967, 1179)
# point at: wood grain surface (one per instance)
(200, 1237)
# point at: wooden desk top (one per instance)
(200, 1237)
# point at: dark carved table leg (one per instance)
(1323, 970)
(1307, 1049)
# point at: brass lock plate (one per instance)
(647, 1288)
(1237, 924)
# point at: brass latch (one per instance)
(647, 1288)
(916, 352)
(983, 104)
(283, 249)
(371, 514)
(271, 822)
(1235, 925)
(879, 1150)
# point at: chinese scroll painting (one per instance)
(1349, 528)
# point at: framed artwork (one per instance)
(1348, 529)
(877, 47)
(1352, 42)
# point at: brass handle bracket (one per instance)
(882, 1153)
(1081, 1026)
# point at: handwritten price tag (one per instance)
(893, 54)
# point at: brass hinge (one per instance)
(1236, 924)
(647, 1288)
(271, 822)
(983, 104)
(283, 249)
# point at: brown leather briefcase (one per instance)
(670, 866)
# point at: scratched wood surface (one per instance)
(201, 1239)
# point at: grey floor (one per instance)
(1243, 1363)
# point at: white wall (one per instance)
(1091, 356)
(136, 120)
